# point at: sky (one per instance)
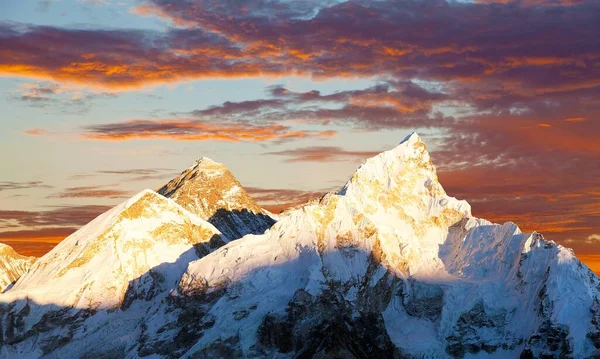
(100, 99)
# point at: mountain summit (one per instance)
(389, 266)
(210, 191)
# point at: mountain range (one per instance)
(388, 266)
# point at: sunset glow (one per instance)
(103, 98)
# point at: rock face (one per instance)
(210, 191)
(389, 266)
(12, 265)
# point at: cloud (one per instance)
(323, 154)
(58, 216)
(121, 59)
(480, 77)
(57, 97)
(279, 199)
(49, 233)
(37, 132)
(91, 192)
(11, 185)
(38, 92)
(133, 174)
(530, 48)
(37, 232)
(192, 130)
(593, 238)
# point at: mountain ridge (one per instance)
(12, 265)
(388, 266)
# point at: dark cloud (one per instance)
(537, 48)
(11, 185)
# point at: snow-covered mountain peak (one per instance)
(403, 183)
(210, 190)
(94, 267)
(206, 187)
(206, 162)
(12, 265)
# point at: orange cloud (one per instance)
(192, 130)
(323, 154)
(276, 200)
(331, 40)
(575, 119)
(36, 132)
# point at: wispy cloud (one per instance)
(91, 192)
(58, 216)
(11, 185)
(279, 199)
(59, 97)
(323, 154)
(133, 174)
(193, 130)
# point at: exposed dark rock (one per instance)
(467, 329)
(326, 327)
(237, 223)
(549, 341)
(425, 301)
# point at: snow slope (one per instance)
(389, 266)
(402, 260)
(12, 265)
(135, 251)
(92, 267)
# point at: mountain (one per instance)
(210, 191)
(134, 252)
(389, 266)
(12, 265)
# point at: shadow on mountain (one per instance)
(159, 315)
(104, 332)
(323, 325)
(285, 309)
(237, 223)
